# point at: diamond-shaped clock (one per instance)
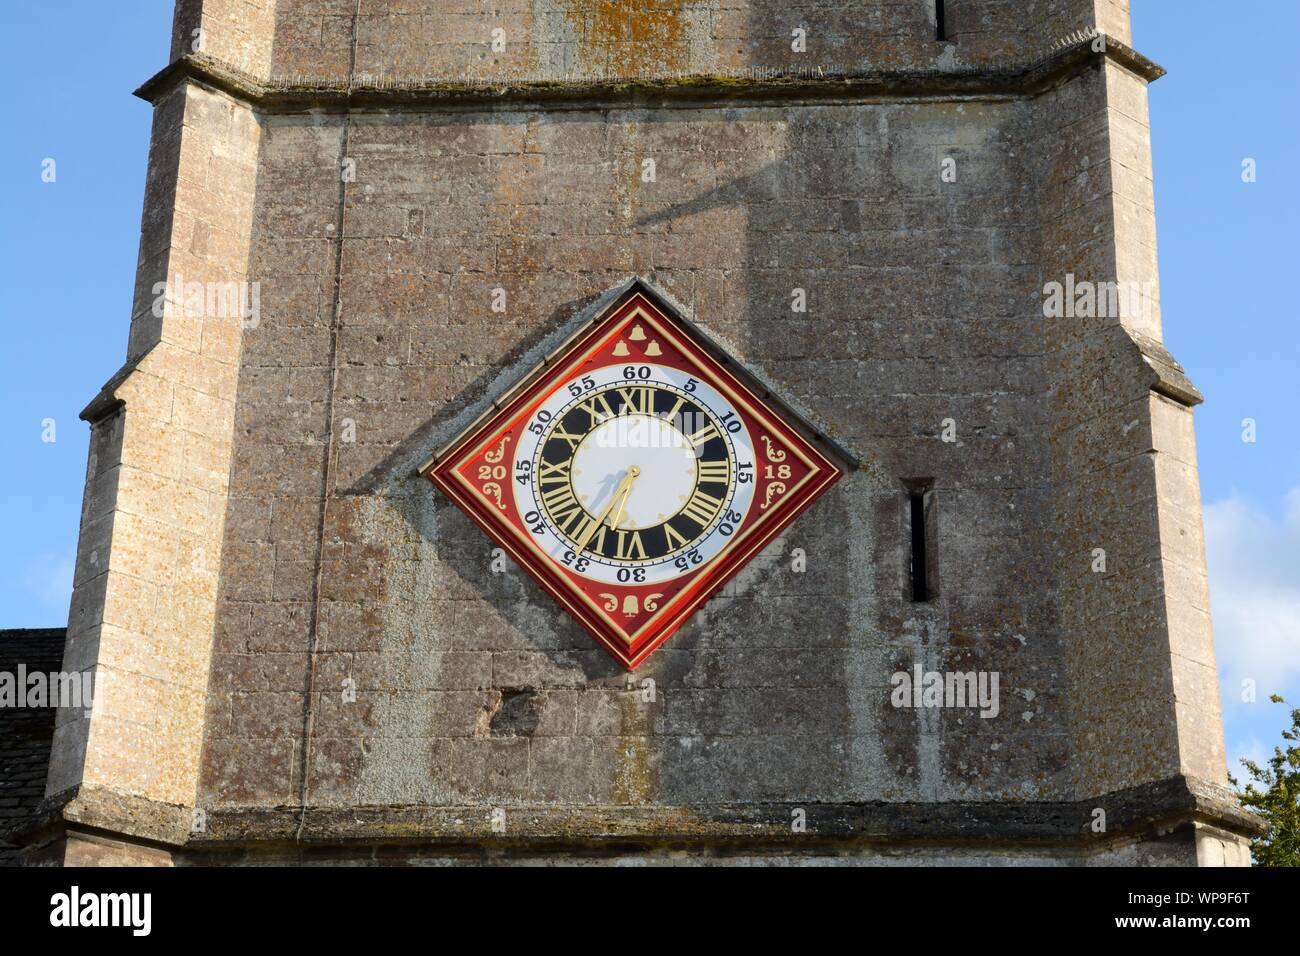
(633, 473)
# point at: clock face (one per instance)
(632, 474)
(636, 479)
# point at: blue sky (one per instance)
(68, 251)
(1227, 256)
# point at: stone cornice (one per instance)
(1000, 77)
(106, 811)
(1135, 813)
(106, 400)
(1169, 378)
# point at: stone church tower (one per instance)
(925, 228)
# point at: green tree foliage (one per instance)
(1274, 794)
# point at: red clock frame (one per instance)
(630, 620)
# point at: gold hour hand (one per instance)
(620, 495)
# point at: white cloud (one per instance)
(1254, 563)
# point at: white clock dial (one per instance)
(634, 474)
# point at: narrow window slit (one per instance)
(921, 523)
(940, 26)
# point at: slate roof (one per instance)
(25, 733)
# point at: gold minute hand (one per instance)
(622, 503)
(621, 492)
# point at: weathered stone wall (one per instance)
(1138, 633)
(238, 32)
(476, 687)
(363, 650)
(150, 546)
(567, 38)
